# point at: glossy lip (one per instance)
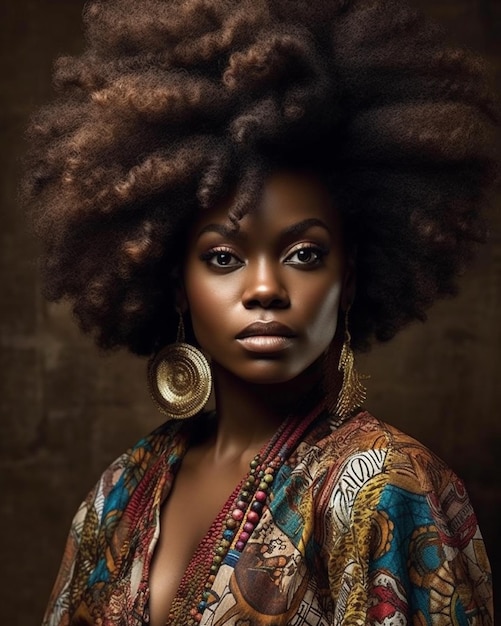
(266, 337)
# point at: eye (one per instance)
(221, 258)
(307, 255)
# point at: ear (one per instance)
(349, 283)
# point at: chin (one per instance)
(267, 377)
(272, 372)
(271, 380)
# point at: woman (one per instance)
(270, 185)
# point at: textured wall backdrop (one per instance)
(67, 411)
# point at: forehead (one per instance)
(287, 197)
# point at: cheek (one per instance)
(201, 307)
(207, 307)
(323, 311)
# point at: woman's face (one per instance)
(264, 299)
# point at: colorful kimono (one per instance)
(364, 525)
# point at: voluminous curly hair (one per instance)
(176, 102)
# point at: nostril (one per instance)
(267, 300)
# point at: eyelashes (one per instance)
(221, 257)
(308, 255)
(304, 256)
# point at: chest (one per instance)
(189, 523)
(272, 576)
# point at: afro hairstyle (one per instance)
(175, 103)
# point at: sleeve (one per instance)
(57, 610)
(408, 550)
(79, 555)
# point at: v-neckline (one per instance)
(198, 570)
(214, 532)
(186, 596)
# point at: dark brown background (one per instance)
(67, 411)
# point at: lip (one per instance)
(266, 337)
(266, 344)
(266, 329)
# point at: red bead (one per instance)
(260, 496)
(237, 515)
(252, 517)
(244, 537)
(248, 527)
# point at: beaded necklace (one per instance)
(237, 520)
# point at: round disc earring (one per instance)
(179, 378)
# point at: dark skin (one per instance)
(285, 264)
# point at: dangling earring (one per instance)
(352, 392)
(179, 378)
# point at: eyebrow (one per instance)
(304, 225)
(231, 232)
(226, 231)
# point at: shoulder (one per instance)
(120, 479)
(399, 530)
(366, 464)
(375, 447)
(85, 558)
(112, 491)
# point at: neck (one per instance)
(249, 414)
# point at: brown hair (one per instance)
(174, 102)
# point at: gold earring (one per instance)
(353, 392)
(179, 378)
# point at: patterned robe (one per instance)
(364, 526)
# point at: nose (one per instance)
(264, 287)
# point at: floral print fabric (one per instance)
(364, 526)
